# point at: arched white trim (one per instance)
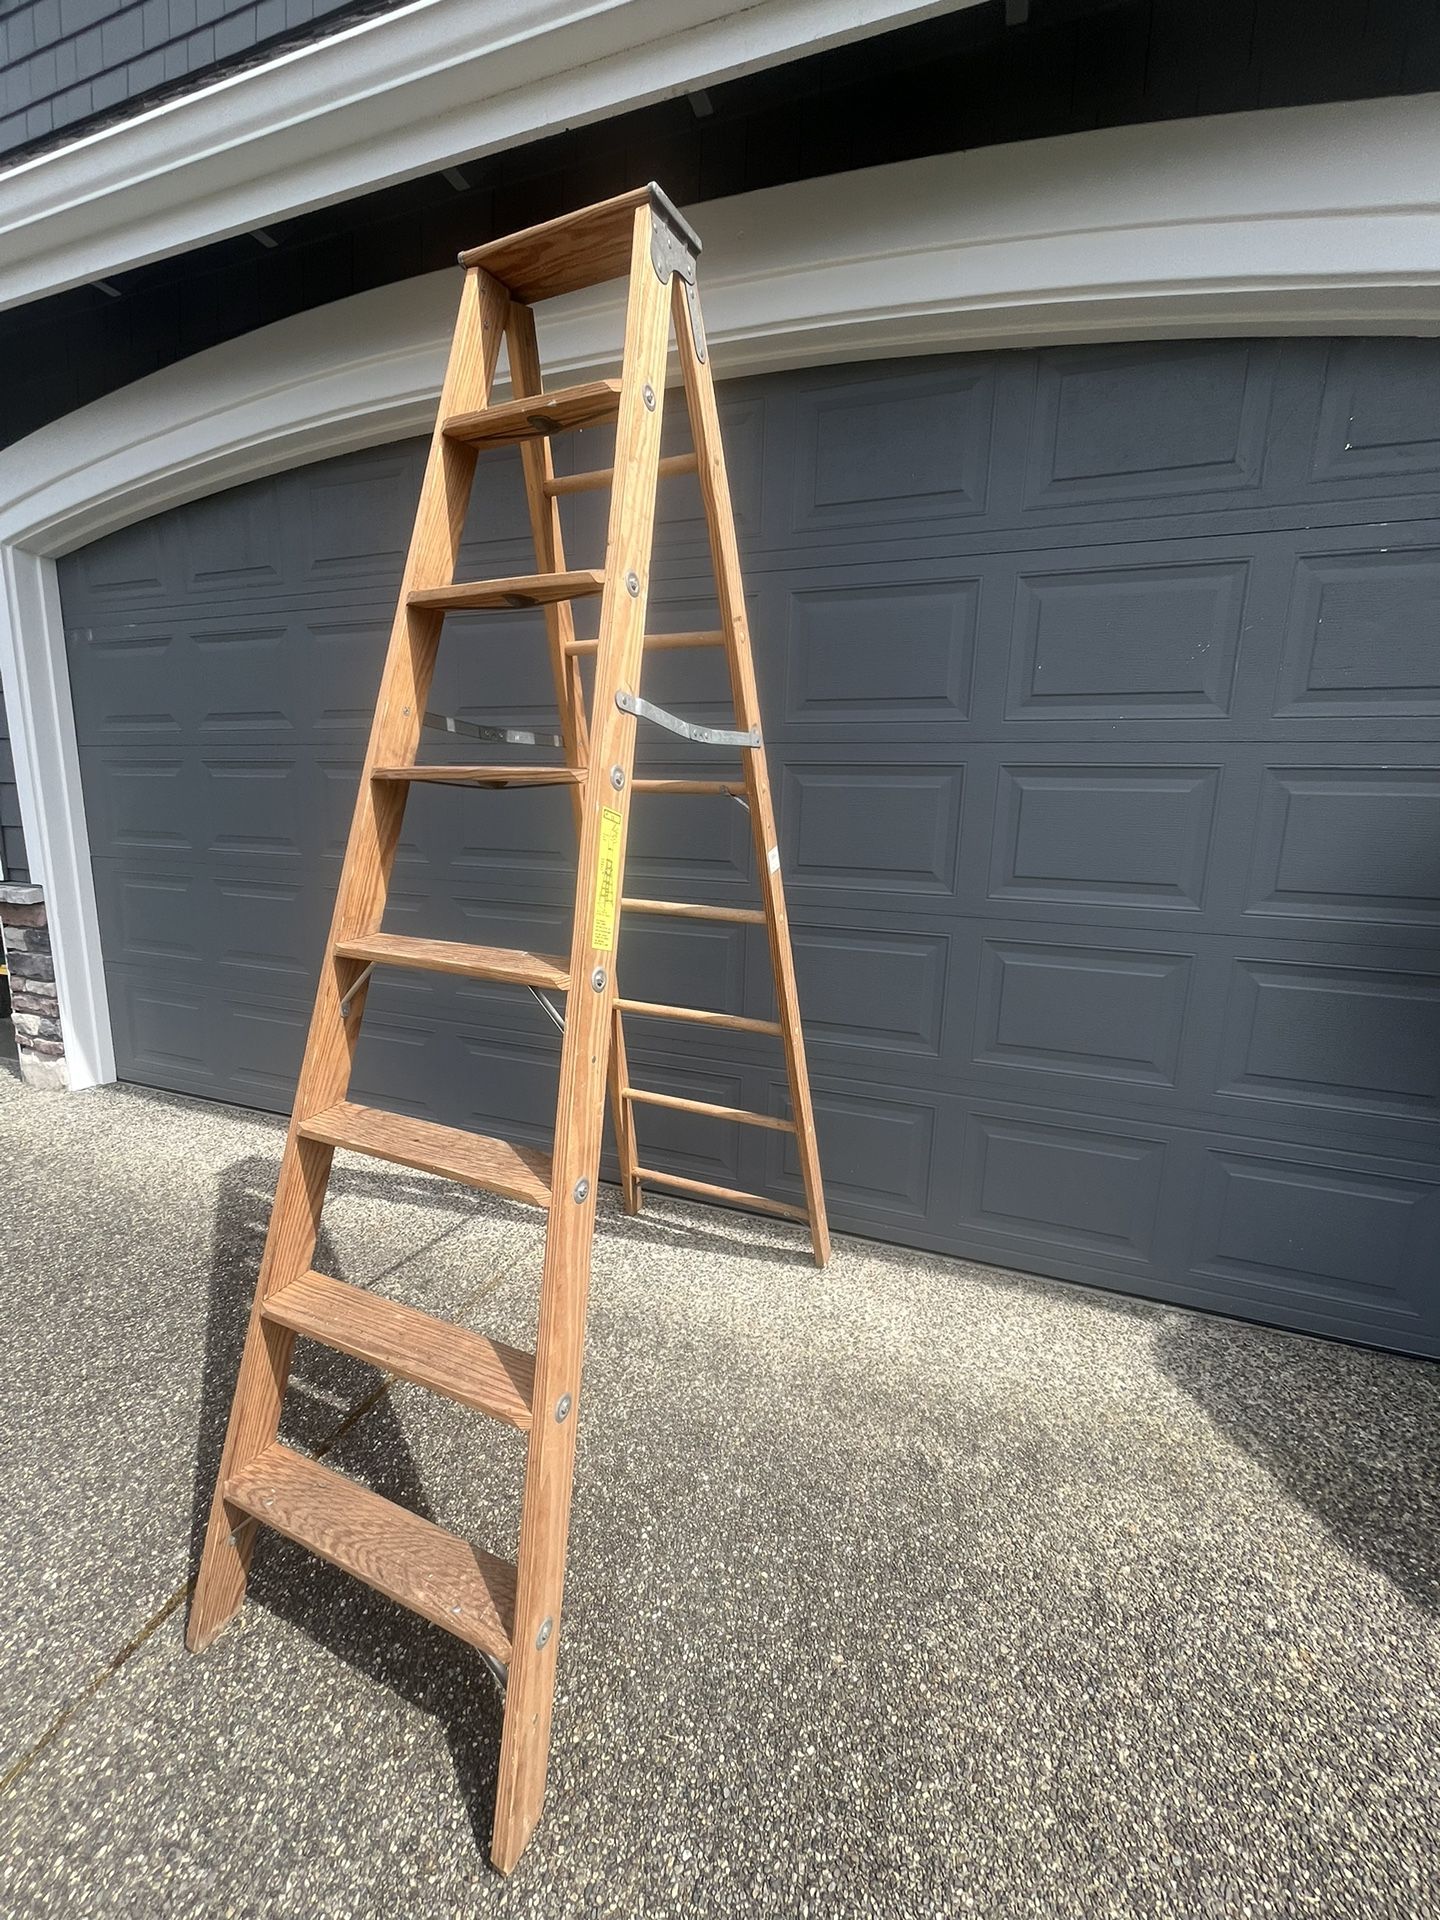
(1310, 220)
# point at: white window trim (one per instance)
(1311, 220)
(412, 90)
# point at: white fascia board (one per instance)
(407, 92)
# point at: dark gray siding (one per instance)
(65, 62)
(12, 845)
(1103, 703)
(964, 80)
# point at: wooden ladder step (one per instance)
(436, 1574)
(577, 250)
(519, 1173)
(731, 1195)
(737, 1022)
(692, 910)
(485, 776)
(464, 1366)
(600, 477)
(518, 590)
(535, 416)
(747, 1114)
(512, 965)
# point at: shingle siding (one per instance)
(64, 61)
(12, 846)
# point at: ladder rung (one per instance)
(513, 965)
(706, 1106)
(731, 1194)
(598, 477)
(533, 416)
(736, 788)
(485, 776)
(656, 642)
(452, 1360)
(740, 1022)
(520, 1173)
(518, 590)
(434, 1573)
(687, 910)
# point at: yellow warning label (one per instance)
(607, 881)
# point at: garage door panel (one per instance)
(870, 826)
(1378, 415)
(877, 1147)
(1091, 1188)
(1107, 1013)
(196, 923)
(1149, 427)
(869, 992)
(1353, 1039)
(1319, 1240)
(1127, 640)
(347, 521)
(1104, 717)
(1356, 843)
(1360, 639)
(908, 446)
(875, 650)
(1104, 834)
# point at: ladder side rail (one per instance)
(588, 1032)
(730, 592)
(549, 538)
(359, 907)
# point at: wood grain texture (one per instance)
(596, 479)
(691, 910)
(662, 642)
(702, 1016)
(512, 965)
(519, 1173)
(481, 776)
(535, 415)
(522, 590)
(464, 1366)
(548, 535)
(734, 788)
(584, 1059)
(561, 256)
(699, 381)
(469, 1593)
(682, 1105)
(359, 905)
(728, 1196)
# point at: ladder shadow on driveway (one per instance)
(335, 1399)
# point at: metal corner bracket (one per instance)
(674, 245)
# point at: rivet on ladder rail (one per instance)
(547, 1627)
(563, 1406)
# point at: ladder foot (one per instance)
(220, 1585)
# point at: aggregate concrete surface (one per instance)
(912, 1588)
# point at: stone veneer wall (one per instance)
(38, 1034)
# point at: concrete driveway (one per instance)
(909, 1589)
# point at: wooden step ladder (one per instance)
(511, 1613)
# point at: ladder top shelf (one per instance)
(578, 250)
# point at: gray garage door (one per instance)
(1103, 688)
